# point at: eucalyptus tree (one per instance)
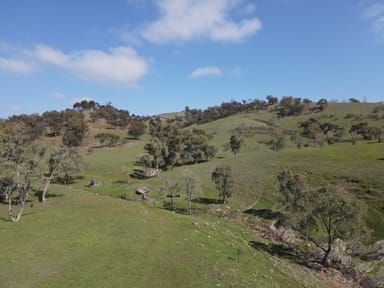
(20, 166)
(235, 144)
(320, 215)
(222, 177)
(60, 160)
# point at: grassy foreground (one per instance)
(81, 239)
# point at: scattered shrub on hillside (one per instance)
(378, 108)
(137, 128)
(277, 142)
(107, 139)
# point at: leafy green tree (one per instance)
(192, 187)
(71, 162)
(20, 166)
(277, 142)
(322, 215)
(33, 122)
(75, 128)
(137, 128)
(58, 162)
(170, 146)
(107, 139)
(235, 144)
(222, 177)
(54, 122)
(290, 106)
(272, 100)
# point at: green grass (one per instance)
(256, 166)
(90, 238)
(87, 240)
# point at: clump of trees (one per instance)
(85, 105)
(20, 166)
(113, 117)
(367, 132)
(321, 132)
(320, 215)
(290, 106)
(170, 146)
(198, 116)
(23, 163)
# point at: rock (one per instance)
(370, 282)
(339, 253)
(377, 248)
(287, 235)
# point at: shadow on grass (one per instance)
(138, 174)
(285, 252)
(67, 180)
(267, 214)
(204, 200)
(39, 194)
(120, 182)
(381, 159)
(275, 249)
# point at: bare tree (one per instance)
(192, 187)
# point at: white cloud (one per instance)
(194, 19)
(205, 71)
(58, 95)
(16, 66)
(375, 14)
(50, 55)
(120, 66)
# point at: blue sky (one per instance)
(152, 57)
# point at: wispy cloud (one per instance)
(50, 55)
(16, 66)
(186, 20)
(374, 13)
(205, 71)
(120, 66)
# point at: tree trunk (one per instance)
(44, 193)
(324, 261)
(190, 204)
(21, 210)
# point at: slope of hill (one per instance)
(80, 239)
(83, 237)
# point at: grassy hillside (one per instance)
(356, 167)
(81, 239)
(85, 238)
